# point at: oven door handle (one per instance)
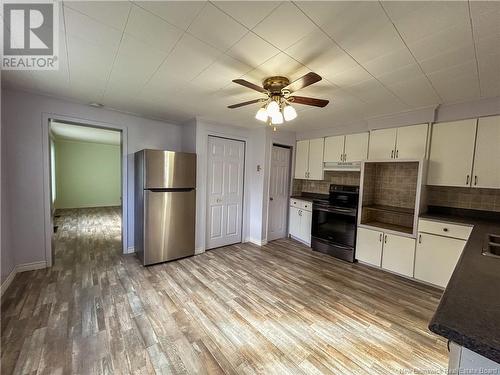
(336, 211)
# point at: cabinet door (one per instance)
(315, 171)
(382, 144)
(305, 226)
(398, 254)
(334, 149)
(369, 246)
(411, 142)
(294, 222)
(436, 258)
(487, 157)
(301, 159)
(452, 152)
(356, 147)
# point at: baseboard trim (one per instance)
(199, 250)
(32, 266)
(130, 250)
(7, 281)
(257, 242)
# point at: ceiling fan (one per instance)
(277, 102)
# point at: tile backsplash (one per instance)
(457, 197)
(322, 187)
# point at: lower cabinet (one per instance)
(389, 251)
(300, 221)
(436, 258)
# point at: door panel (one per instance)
(169, 225)
(294, 228)
(382, 144)
(369, 246)
(356, 147)
(452, 152)
(278, 193)
(305, 226)
(412, 142)
(487, 158)
(334, 149)
(225, 197)
(316, 147)
(398, 254)
(301, 159)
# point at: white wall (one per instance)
(22, 138)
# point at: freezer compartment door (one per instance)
(169, 170)
(169, 225)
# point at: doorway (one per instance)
(226, 160)
(85, 172)
(278, 192)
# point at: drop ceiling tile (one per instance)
(486, 23)
(447, 59)
(189, 58)
(152, 30)
(178, 13)
(350, 77)
(111, 13)
(279, 65)
(221, 73)
(252, 50)
(404, 73)
(456, 83)
(91, 31)
(249, 13)
(370, 91)
(216, 28)
(390, 62)
(325, 12)
(417, 92)
(284, 26)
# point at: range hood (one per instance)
(342, 166)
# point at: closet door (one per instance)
(452, 153)
(487, 157)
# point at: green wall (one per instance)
(87, 174)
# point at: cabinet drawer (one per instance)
(299, 203)
(444, 229)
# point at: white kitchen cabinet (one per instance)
(486, 171)
(356, 147)
(382, 144)
(334, 149)
(406, 142)
(300, 220)
(452, 153)
(309, 159)
(316, 159)
(411, 142)
(369, 246)
(436, 258)
(301, 159)
(398, 254)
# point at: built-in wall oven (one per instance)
(334, 222)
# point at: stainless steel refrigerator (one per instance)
(165, 205)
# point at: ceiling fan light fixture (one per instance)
(277, 118)
(289, 113)
(273, 108)
(261, 114)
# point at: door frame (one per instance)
(48, 227)
(243, 206)
(290, 177)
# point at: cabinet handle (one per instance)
(397, 153)
(445, 229)
(345, 157)
(475, 180)
(419, 238)
(467, 180)
(385, 238)
(380, 237)
(392, 154)
(341, 157)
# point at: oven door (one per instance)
(335, 225)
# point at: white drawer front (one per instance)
(299, 203)
(444, 229)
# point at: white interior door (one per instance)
(278, 192)
(226, 159)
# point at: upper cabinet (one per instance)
(346, 148)
(309, 159)
(407, 142)
(486, 171)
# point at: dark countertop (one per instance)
(310, 196)
(469, 310)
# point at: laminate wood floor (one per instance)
(241, 309)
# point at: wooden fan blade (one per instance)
(303, 81)
(308, 101)
(250, 85)
(244, 103)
